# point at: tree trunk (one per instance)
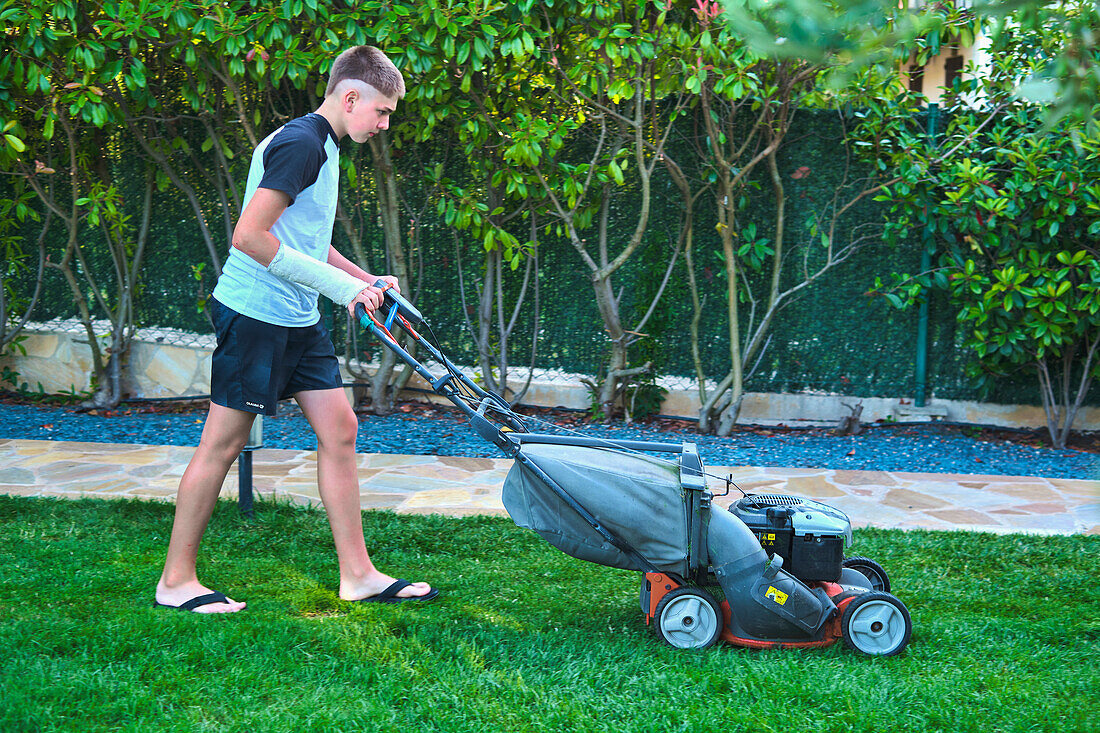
(389, 207)
(608, 306)
(1061, 410)
(736, 375)
(728, 418)
(121, 316)
(486, 293)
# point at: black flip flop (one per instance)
(390, 594)
(196, 602)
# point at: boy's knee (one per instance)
(226, 449)
(237, 445)
(340, 431)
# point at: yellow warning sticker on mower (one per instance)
(766, 538)
(776, 595)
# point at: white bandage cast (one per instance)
(331, 282)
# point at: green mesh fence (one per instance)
(834, 338)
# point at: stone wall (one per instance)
(60, 361)
(163, 367)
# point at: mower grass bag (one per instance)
(636, 497)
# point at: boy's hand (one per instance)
(372, 297)
(390, 279)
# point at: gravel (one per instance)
(923, 448)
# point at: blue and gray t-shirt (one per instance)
(301, 159)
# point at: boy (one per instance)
(271, 343)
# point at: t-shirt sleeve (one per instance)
(291, 163)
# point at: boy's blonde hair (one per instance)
(369, 65)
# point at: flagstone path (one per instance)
(464, 486)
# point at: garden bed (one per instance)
(418, 428)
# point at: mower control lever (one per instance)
(393, 303)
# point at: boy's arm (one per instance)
(338, 260)
(253, 236)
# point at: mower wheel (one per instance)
(871, 570)
(688, 618)
(876, 624)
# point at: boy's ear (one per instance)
(349, 97)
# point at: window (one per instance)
(952, 70)
(916, 79)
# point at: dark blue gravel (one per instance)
(924, 448)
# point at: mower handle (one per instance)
(442, 386)
(361, 315)
(393, 303)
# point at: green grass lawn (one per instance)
(525, 638)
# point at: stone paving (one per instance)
(464, 486)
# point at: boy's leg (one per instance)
(335, 424)
(223, 436)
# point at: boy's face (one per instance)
(368, 112)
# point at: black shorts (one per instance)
(256, 364)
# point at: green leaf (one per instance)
(616, 172)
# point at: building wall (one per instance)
(934, 75)
(935, 72)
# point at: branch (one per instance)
(462, 286)
(520, 298)
(618, 373)
(664, 282)
(7, 334)
(51, 205)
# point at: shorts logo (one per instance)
(253, 404)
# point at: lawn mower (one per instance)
(768, 572)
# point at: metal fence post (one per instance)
(244, 467)
(928, 242)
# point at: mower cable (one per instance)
(727, 480)
(465, 391)
(481, 405)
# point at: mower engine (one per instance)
(808, 535)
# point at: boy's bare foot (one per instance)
(195, 597)
(382, 587)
